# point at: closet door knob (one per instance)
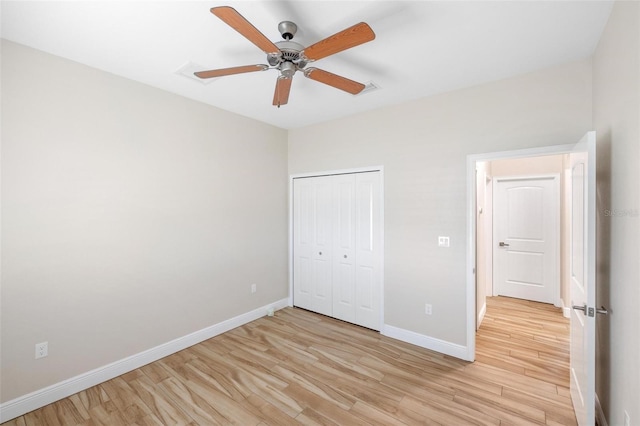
(320, 253)
(345, 256)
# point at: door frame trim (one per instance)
(354, 170)
(471, 226)
(555, 177)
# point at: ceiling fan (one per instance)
(288, 57)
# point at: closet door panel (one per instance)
(344, 278)
(322, 296)
(303, 218)
(368, 250)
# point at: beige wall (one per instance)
(616, 117)
(130, 217)
(423, 146)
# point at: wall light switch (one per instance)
(443, 241)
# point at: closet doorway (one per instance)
(337, 245)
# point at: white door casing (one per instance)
(337, 246)
(526, 237)
(583, 286)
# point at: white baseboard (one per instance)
(34, 400)
(481, 315)
(601, 420)
(447, 348)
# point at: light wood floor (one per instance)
(299, 367)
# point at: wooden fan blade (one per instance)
(346, 39)
(236, 21)
(230, 71)
(281, 95)
(334, 80)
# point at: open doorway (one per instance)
(475, 305)
(521, 239)
(522, 230)
(579, 299)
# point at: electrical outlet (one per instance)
(254, 288)
(427, 309)
(627, 419)
(42, 349)
(443, 241)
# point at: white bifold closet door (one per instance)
(337, 250)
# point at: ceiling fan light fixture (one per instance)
(288, 69)
(274, 59)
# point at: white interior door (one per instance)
(583, 269)
(526, 238)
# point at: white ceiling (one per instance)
(421, 47)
